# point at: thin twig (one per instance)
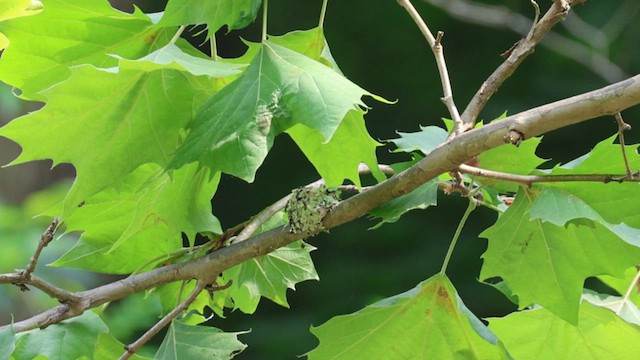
(530, 179)
(45, 239)
(262, 217)
(364, 169)
(516, 56)
(436, 47)
(132, 348)
(622, 127)
(17, 278)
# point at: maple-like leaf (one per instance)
(425, 140)
(547, 264)
(110, 123)
(236, 14)
(141, 219)
(599, 334)
(234, 130)
(422, 197)
(198, 342)
(83, 32)
(270, 276)
(427, 322)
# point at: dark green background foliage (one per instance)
(379, 48)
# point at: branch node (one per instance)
(439, 39)
(514, 137)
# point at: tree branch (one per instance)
(450, 155)
(436, 47)
(530, 179)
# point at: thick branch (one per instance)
(606, 101)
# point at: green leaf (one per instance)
(559, 207)
(235, 129)
(547, 264)
(339, 158)
(10, 9)
(622, 284)
(174, 293)
(109, 123)
(7, 342)
(186, 342)
(108, 347)
(69, 339)
(310, 43)
(141, 219)
(425, 140)
(427, 322)
(599, 334)
(520, 160)
(236, 14)
(421, 198)
(85, 32)
(605, 158)
(270, 276)
(172, 57)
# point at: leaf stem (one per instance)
(214, 47)
(265, 5)
(177, 35)
(323, 12)
(627, 295)
(470, 208)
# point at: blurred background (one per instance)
(379, 47)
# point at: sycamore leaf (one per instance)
(425, 140)
(270, 276)
(7, 342)
(175, 292)
(622, 284)
(109, 123)
(186, 342)
(108, 347)
(427, 322)
(599, 334)
(69, 339)
(621, 306)
(547, 264)
(339, 158)
(172, 57)
(84, 32)
(421, 198)
(310, 43)
(10, 9)
(605, 158)
(520, 160)
(236, 14)
(235, 129)
(559, 207)
(142, 218)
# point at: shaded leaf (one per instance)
(109, 123)
(622, 284)
(621, 306)
(69, 339)
(141, 219)
(599, 334)
(7, 342)
(427, 322)
(270, 276)
(425, 140)
(186, 342)
(108, 347)
(547, 264)
(421, 198)
(84, 32)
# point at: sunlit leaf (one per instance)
(236, 14)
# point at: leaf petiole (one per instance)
(265, 5)
(465, 216)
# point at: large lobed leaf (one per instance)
(186, 342)
(141, 219)
(427, 322)
(82, 32)
(281, 88)
(236, 14)
(599, 335)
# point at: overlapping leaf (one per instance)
(236, 14)
(547, 264)
(107, 124)
(10, 9)
(623, 306)
(7, 342)
(70, 339)
(427, 322)
(235, 129)
(599, 334)
(108, 347)
(270, 276)
(85, 32)
(422, 197)
(425, 140)
(141, 219)
(198, 342)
